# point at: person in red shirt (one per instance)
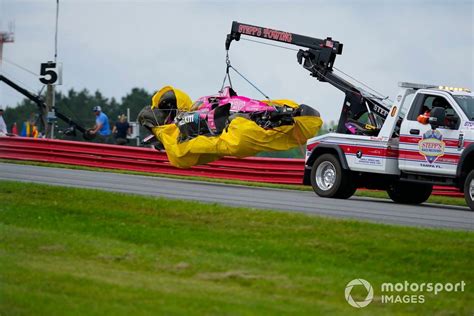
(14, 129)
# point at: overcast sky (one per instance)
(114, 45)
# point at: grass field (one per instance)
(77, 251)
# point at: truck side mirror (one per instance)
(437, 117)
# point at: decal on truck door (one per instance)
(431, 146)
(469, 125)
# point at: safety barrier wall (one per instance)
(270, 170)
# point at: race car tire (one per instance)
(306, 110)
(150, 118)
(330, 180)
(469, 190)
(409, 193)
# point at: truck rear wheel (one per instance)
(328, 179)
(409, 193)
(469, 190)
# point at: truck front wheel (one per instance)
(328, 179)
(409, 193)
(469, 190)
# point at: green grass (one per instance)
(86, 252)
(445, 200)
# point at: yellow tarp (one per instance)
(242, 138)
(290, 103)
(182, 99)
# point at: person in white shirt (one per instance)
(3, 126)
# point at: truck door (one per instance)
(423, 150)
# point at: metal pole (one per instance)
(50, 92)
(56, 32)
(1, 52)
(49, 106)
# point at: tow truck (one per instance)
(424, 137)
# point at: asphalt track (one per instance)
(374, 210)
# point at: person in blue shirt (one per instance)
(102, 126)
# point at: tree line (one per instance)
(78, 105)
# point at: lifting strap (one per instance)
(227, 76)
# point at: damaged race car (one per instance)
(225, 124)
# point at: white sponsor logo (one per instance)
(380, 110)
(368, 298)
(401, 292)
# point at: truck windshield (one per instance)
(466, 102)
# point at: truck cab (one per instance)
(426, 139)
(436, 151)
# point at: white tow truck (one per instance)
(426, 139)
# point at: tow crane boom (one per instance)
(319, 59)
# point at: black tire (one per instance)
(341, 185)
(469, 191)
(409, 193)
(349, 191)
(306, 110)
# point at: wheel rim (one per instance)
(326, 175)
(471, 189)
